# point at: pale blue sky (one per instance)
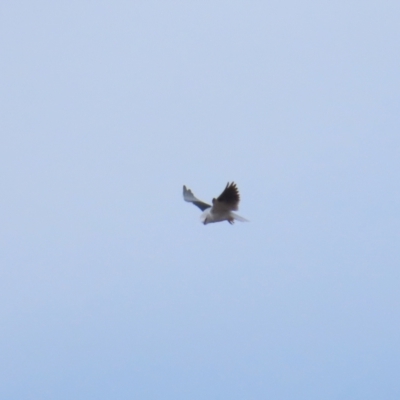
(111, 288)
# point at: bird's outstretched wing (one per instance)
(228, 200)
(189, 196)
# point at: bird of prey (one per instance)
(222, 207)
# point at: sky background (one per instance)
(111, 288)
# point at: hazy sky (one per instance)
(111, 288)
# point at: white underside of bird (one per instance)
(208, 216)
(222, 207)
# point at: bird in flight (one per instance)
(222, 207)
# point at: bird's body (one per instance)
(222, 207)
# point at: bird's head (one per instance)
(205, 217)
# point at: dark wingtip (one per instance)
(230, 194)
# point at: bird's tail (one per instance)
(238, 217)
